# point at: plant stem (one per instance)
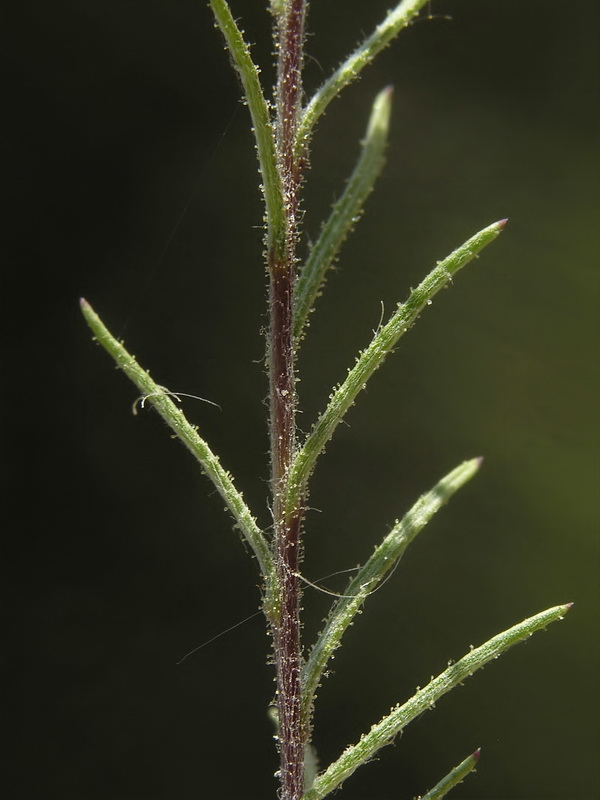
(287, 522)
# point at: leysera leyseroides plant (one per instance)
(283, 128)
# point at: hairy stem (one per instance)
(287, 521)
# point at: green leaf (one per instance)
(397, 19)
(262, 128)
(453, 778)
(384, 732)
(161, 400)
(381, 563)
(370, 359)
(345, 212)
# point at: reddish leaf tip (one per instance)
(502, 223)
(476, 754)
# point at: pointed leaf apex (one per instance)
(464, 472)
(379, 122)
(476, 754)
(501, 224)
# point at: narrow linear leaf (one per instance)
(381, 345)
(382, 561)
(263, 131)
(345, 212)
(397, 19)
(159, 398)
(453, 778)
(383, 732)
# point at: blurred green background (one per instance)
(131, 180)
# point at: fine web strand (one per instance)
(141, 401)
(217, 636)
(340, 572)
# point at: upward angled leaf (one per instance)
(161, 400)
(395, 21)
(453, 778)
(370, 359)
(383, 732)
(382, 561)
(259, 111)
(344, 213)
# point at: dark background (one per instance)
(130, 179)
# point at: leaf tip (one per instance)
(476, 754)
(86, 309)
(471, 467)
(501, 224)
(379, 122)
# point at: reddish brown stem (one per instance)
(287, 524)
